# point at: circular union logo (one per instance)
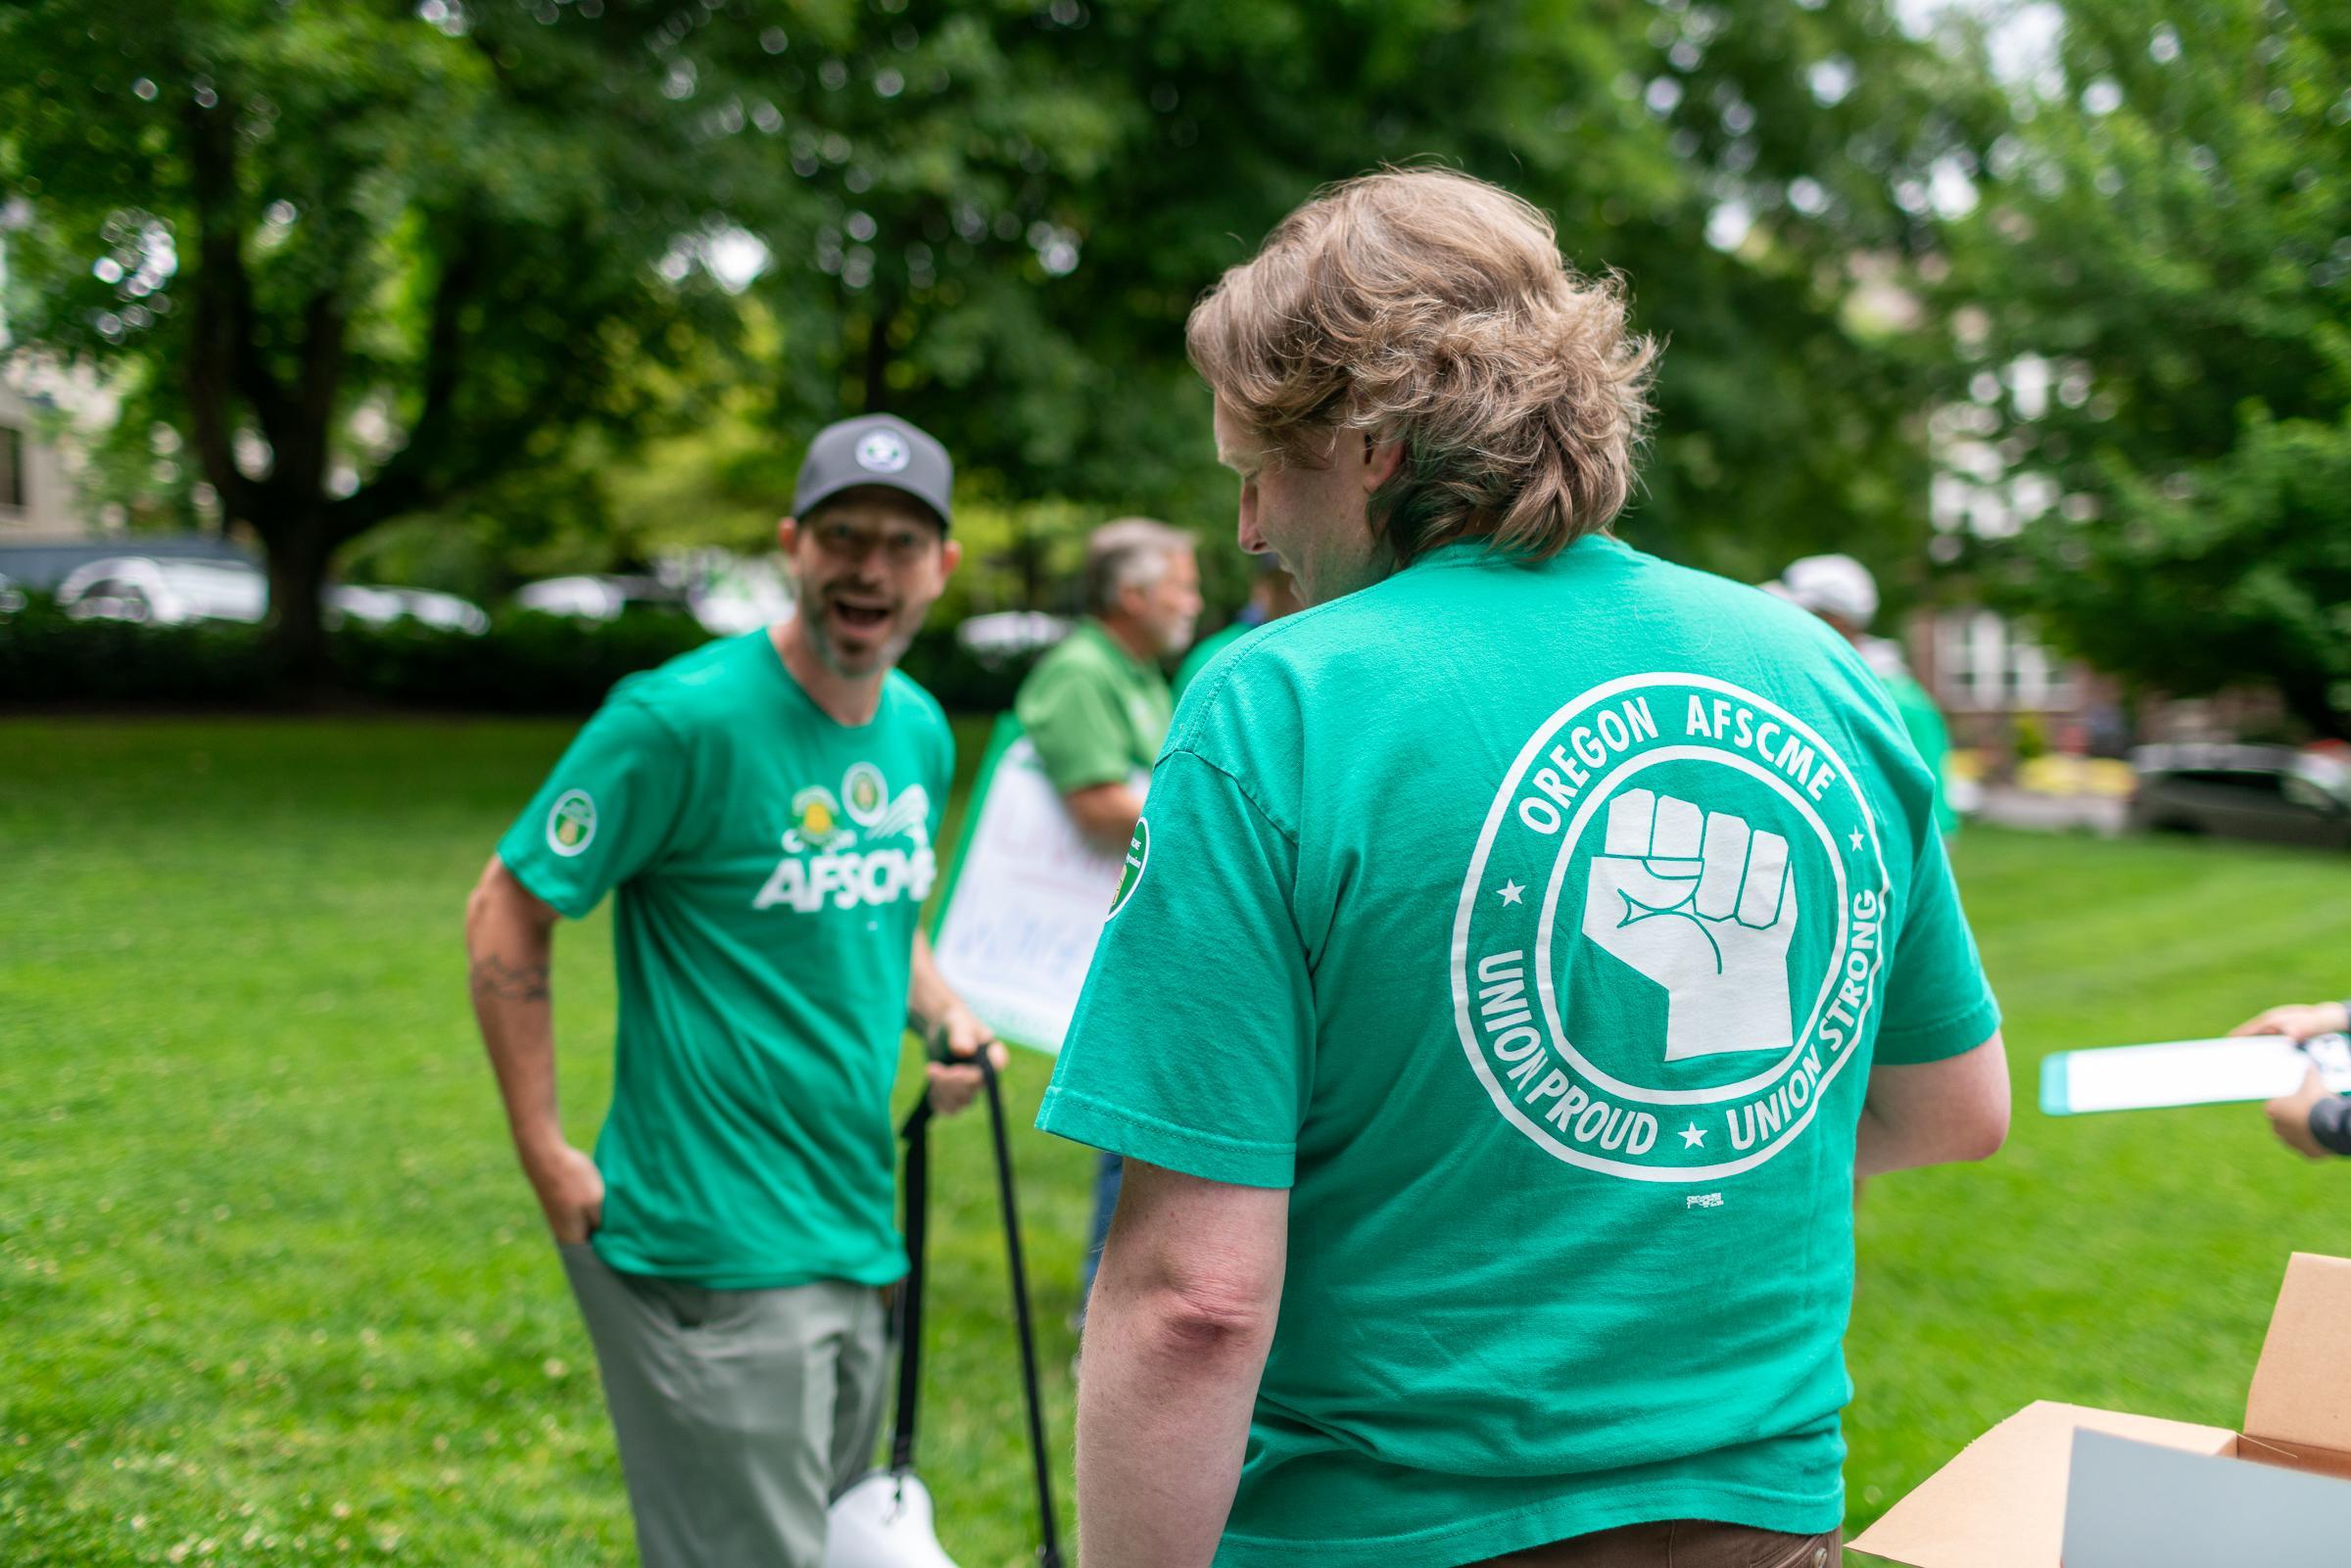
(571, 825)
(1670, 934)
(1138, 855)
(880, 451)
(864, 794)
(816, 818)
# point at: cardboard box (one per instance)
(2152, 1493)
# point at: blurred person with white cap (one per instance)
(1841, 590)
(763, 810)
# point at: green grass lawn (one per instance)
(271, 1290)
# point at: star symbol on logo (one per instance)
(1510, 892)
(1694, 1136)
(1854, 838)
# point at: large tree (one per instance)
(1753, 168)
(2154, 298)
(366, 258)
(370, 259)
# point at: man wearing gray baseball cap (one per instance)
(764, 811)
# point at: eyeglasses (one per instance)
(900, 546)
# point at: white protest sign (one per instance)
(1027, 901)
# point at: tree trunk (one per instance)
(877, 357)
(298, 552)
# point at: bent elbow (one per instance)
(1197, 1323)
(498, 897)
(1986, 1135)
(480, 902)
(1988, 1141)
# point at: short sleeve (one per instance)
(603, 815)
(1937, 1001)
(1074, 721)
(1193, 1039)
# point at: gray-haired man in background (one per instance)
(1096, 708)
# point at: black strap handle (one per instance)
(916, 1132)
(909, 1308)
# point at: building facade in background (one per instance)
(35, 495)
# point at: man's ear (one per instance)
(1382, 460)
(788, 534)
(950, 556)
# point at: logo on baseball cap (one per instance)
(876, 449)
(881, 451)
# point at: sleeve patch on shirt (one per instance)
(1138, 856)
(571, 823)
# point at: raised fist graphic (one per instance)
(1704, 905)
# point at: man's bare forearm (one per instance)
(511, 951)
(1175, 1341)
(929, 996)
(1162, 1420)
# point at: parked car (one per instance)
(378, 605)
(2273, 793)
(731, 594)
(171, 593)
(1009, 633)
(163, 592)
(42, 563)
(597, 599)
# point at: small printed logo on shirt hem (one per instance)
(571, 824)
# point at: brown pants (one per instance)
(1681, 1544)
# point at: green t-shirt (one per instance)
(770, 864)
(1536, 927)
(1094, 712)
(1923, 722)
(1207, 648)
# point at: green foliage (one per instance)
(461, 257)
(47, 658)
(1784, 425)
(361, 265)
(2247, 577)
(2168, 227)
(527, 662)
(2028, 738)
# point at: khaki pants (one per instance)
(739, 1413)
(1681, 1544)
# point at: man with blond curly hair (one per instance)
(1524, 949)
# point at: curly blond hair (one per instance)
(1427, 306)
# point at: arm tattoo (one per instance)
(494, 980)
